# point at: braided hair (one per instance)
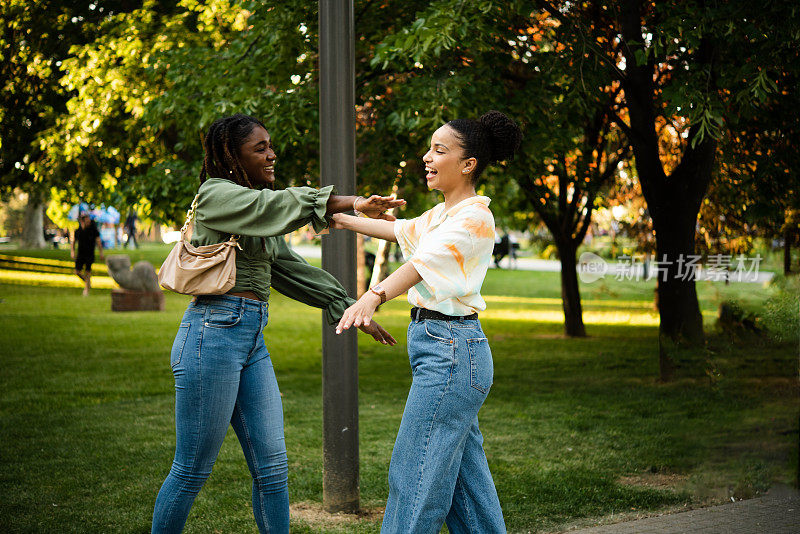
(221, 148)
(492, 138)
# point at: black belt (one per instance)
(418, 314)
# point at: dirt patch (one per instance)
(313, 514)
(654, 480)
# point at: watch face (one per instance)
(377, 288)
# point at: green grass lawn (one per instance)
(576, 429)
(150, 251)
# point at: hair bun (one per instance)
(504, 135)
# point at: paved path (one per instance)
(611, 270)
(776, 512)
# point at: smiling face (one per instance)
(258, 157)
(446, 168)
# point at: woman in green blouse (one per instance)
(223, 372)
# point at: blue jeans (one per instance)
(438, 471)
(224, 375)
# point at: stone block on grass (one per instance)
(140, 290)
(126, 300)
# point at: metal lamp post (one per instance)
(340, 487)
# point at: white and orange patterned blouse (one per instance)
(451, 250)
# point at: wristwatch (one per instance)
(378, 290)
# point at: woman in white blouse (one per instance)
(438, 471)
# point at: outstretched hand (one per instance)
(375, 205)
(334, 221)
(378, 332)
(360, 313)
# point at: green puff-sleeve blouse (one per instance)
(225, 208)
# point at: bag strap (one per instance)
(190, 216)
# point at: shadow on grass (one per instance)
(571, 426)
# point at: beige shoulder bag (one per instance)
(206, 270)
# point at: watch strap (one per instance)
(378, 290)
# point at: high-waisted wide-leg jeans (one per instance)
(439, 471)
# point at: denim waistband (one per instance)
(241, 302)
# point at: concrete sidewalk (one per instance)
(776, 512)
(612, 270)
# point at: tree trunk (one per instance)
(681, 324)
(381, 268)
(570, 293)
(673, 201)
(33, 224)
(787, 251)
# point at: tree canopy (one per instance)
(695, 100)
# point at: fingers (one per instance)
(375, 206)
(352, 317)
(372, 328)
(345, 321)
(386, 217)
(334, 221)
(379, 202)
(358, 315)
(378, 334)
(390, 199)
(386, 335)
(388, 204)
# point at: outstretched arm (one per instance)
(373, 206)
(295, 278)
(232, 209)
(397, 283)
(382, 229)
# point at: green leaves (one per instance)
(138, 91)
(442, 26)
(762, 85)
(708, 124)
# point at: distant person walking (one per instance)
(130, 230)
(84, 240)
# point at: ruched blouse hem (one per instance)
(261, 218)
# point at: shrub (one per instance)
(733, 317)
(781, 317)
